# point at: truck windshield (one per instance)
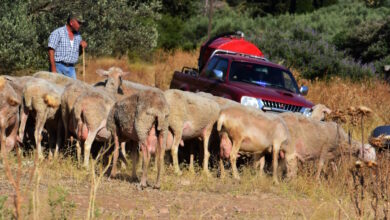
(262, 75)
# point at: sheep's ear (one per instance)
(327, 110)
(102, 72)
(12, 101)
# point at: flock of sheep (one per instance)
(145, 118)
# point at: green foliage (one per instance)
(170, 32)
(367, 42)
(60, 208)
(18, 38)
(113, 28)
(303, 41)
(5, 213)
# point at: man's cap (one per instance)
(77, 16)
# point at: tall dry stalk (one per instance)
(96, 180)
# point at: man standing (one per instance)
(64, 46)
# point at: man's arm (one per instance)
(51, 60)
(52, 45)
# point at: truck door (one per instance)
(213, 76)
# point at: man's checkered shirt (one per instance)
(60, 42)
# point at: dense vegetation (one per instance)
(321, 38)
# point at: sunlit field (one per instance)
(60, 189)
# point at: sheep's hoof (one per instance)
(275, 182)
(178, 172)
(157, 186)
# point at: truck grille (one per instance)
(280, 107)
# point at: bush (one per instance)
(113, 28)
(367, 42)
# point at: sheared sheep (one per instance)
(142, 118)
(190, 116)
(311, 139)
(9, 115)
(76, 89)
(253, 131)
(42, 99)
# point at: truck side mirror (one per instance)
(218, 74)
(303, 90)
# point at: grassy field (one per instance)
(61, 190)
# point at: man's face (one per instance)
(74, 24)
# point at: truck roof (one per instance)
(241, 58)
(235, 44)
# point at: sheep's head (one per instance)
(319, 112)
(113, 78)
(367, 153)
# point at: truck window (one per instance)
(221, 64)
(262, 76)
(211, 65)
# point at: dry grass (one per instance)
(195, 196)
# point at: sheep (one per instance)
(9, 115)
(251, 130)
(76, 89)
(312, 139)
(141, 118)
(190, 116)
(43, 99)
(55, 78)
(88, 118)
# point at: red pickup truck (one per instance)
(236, 69)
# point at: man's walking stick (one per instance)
(83, 64)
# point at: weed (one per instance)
(60, 207)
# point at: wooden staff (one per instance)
(83, 64)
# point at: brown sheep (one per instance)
(142, 118)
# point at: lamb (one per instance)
(9, 115)
(190, 116)
(43, 99)
(251, 131)
(141, 118)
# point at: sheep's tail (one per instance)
(51, 101)
(160, 116)
(220, 122)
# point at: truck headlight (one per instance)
(252, 102)
(306, 111)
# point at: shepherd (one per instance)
(65, 45)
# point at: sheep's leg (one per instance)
(87, 146)
(174, 151)
(39, 124)
(23, 120)
(233, 158)
(206, 153)
(124, 154)
(222, 168)
(261, 164)
(59, 140)
(321, 163)
(162, 138)
(275, 158)
(145, 164)
(65, 121)
(134, 159)
(292, 166)
(191, 167)
(116, 155)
